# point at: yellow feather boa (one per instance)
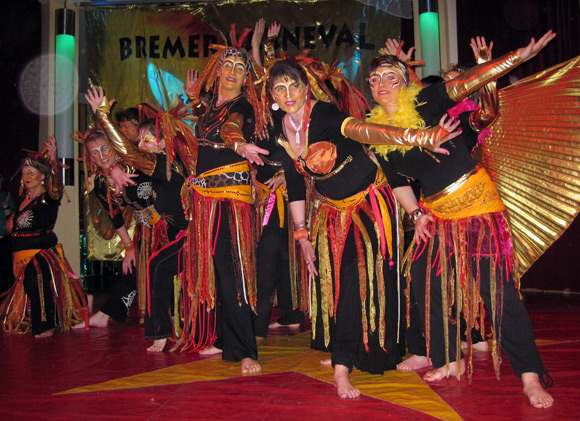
(406, 116)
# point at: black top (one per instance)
(435, 171)
(138, 197)
(273, 161)
(207, 131)
(32, 228)
(168, 200)
(354, 177)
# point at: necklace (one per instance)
(297, 129)
(31, 197)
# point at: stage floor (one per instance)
(107, 374)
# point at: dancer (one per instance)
(99, 159)
(222, 230)
(353, 232)
(167, 172)
(128, 121)
(53, 293)
(279, 271)
(468, 228)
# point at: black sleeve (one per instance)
(395, 179)
(331, 123)
(294, 180)
(116, 216)
(245, 108)
(433, 103)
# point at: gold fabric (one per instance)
(231, 131)
(70, 306)
(377, 134)
(475, 195)
(533, 157)
(330, 226)
(480, 75)
(129, 152)
(321, 157)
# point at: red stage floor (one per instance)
(106, 374)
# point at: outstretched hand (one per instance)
(534, 47)
(451, 125)
(478, 46)
(395, 48)
(50, 146)
(252, 153)
(274, 30)
(121, 179)
(190, 81)
(95, 96)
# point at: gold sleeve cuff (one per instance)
(270, 50)
(481, 75)
(489, 111)
(129, 153)
(378, 134)
(231, 131)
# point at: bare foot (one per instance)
(538, 397)
(327, 361)
(441, 372)
(276, 325)
(416, 362)
(99, 319)
(344, 387)
(158, 345)
(212, 350)
(45, 334)
(249, 365)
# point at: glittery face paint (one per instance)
(101, 153)
(31, 177)
(289, 94)
(148, 142)
(385, 82)
(232, 73)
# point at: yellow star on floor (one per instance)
(280, 354)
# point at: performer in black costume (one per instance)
(41, 270)
(354, 230)
(468, 229)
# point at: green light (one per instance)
(64, 93)
(429, 26)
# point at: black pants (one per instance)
(274, 276)
(30, 283)
(6, 271)
(517, 334)
(346, 334)
(235, 327)
(163, 267)
(119, 302)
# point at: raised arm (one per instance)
(488, 99)
(128, 151)
(480, 75)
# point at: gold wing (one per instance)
(533, 156)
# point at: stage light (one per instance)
(429, 27)
(64, 88)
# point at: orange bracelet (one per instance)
(300, 234)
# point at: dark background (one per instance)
(509, 24)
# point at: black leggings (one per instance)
(517, 334)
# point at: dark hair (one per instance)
(431, 80)
(39, 163)
(130, 114)
(287, 68)
(95, 134)
(393, 61)
(149, 125)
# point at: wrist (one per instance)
(301, 235)
(414, 216)
(237, 146)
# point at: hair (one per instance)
(40, 163)
(286, 68)
(459, 68)
(431, 80)
(93, 135)
(130, 114)
(393, 61)
(150, 126)
(238, 53)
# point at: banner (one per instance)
(142, 53)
